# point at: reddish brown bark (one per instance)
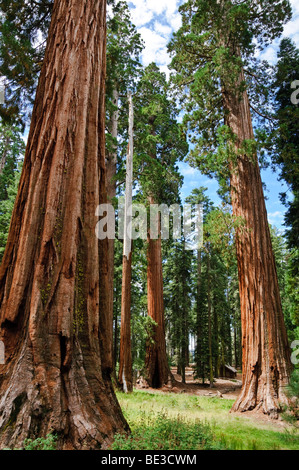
(156, 364)
(52, 380)
(125, 377)
(266, 358)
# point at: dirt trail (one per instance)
(226, 388)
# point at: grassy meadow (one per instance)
(167, 421)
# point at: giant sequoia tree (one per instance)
(54, 378)
(213, 57)
(159, 145)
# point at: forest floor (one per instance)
(222, 388)
(194, 401)
(162, 420)
(228, 388)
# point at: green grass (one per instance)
(184, 422)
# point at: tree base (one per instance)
(81, 411)
(267, 403)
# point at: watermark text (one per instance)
(157, 221)
(295, 94)
(2, 353)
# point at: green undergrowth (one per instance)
(164, 421)
(160, 432)
(48, 443)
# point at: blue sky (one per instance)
(156, 20)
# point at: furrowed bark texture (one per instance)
(156, 364)
(52, 380)
(266, 356)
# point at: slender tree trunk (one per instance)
(199, 348)
(111, 169)
(266, 356)
(177, 335)
(156, 363)
(125, 377)
(211, 377)
(125, 359)
(3, 157)
(235, 345)
(52, 380)
(115, 348)
(215, 338)
(229, 325)
(185, 331)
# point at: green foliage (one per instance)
(48, 443)
(23, 32)
(215, 290)
(214, 47)
(287, 136)
(6, 208)
(288, 282)
(12, 148)
(141, 324)
(159, 142)
(291, 412)
(124, 46)
(178, 300)
(160, 432)
(211, 415)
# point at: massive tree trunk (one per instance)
(156, 364)
(266, 358)
(52, 380)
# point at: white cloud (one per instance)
(292, 30)
(165, 69)
(163, 29)
(155, 47)
(270, 55)
(157, 7)
(275, 218)
(155, 21)
(141, 15)
(295, 6)
(188, 171)
(176, 21)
